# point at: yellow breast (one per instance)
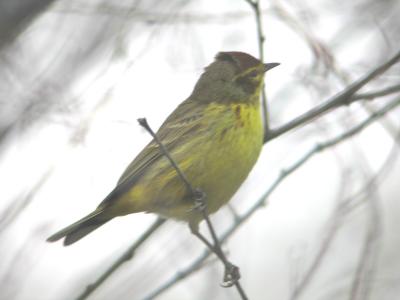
(232, 152)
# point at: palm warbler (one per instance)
(215, 137)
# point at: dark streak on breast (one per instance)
(237, 111)
(221, 137)
(238, 116)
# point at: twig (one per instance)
(232, 275)
(386, 167)
(340, 99)
(195, 266)
(18, 206)
(343, 209)
(128, 254)
(320, 50)
(366, 267)
(255, 5)
(300, 285)
(306, 279)
(262, 200)
(380, 93)
(360, 286)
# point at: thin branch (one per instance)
(146, 16)
(232, 275)
(346, 208)
(261, 202)
(308, 276)
(128, 254)
(380, 93)
(340, 99)
(387, 166)
(360, 285)
(14, 210)
(366, 267)
(255, 5)
(180, 275)
(322, 52)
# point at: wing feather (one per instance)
(179, 126)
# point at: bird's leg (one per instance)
(200, 203)
(232, 274)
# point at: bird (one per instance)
(215, 137)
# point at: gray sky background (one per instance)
(73, 81)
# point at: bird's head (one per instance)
(233, 76)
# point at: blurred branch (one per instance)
(342, 98)
(320, 51)
(150, 16)
(380, 93)
(16, 207)
(308, 276)
(366, 267)
(299, 285)
(180, 275)
(255, 5)
(362, 278)
(386, 167)
(16, 15)
(345, 208)
(128, 254)
(261, 202)
(323, 53)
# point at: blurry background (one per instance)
(75, 76)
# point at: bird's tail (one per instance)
(81, 228)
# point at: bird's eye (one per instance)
(253, 74)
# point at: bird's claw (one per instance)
(231, 276)
(199, 200)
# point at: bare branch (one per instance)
(180, 275)
(340, 99)
(345, 208)
(366, 267)
(380, 93)
(255, 4)
(306, 279)
(361, 285)
(128, 254)
(14, 210)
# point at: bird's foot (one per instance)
(199, 200)
(231, 276)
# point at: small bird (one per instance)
(215, 137)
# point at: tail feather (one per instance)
(81, 228)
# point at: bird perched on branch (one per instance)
(214, 136)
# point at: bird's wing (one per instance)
(179, 126)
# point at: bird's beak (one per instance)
(269, 66)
